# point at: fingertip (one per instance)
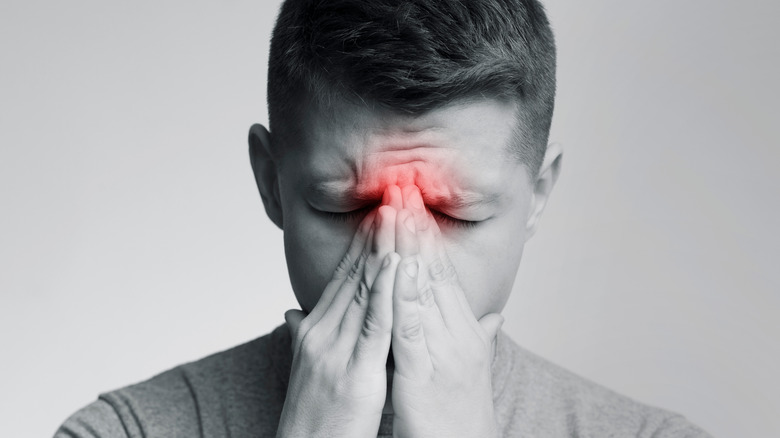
(392, 197)
(383, 212)
(293, 315)
(293, 318)
(492, 323)
(368, 222)
(386, 196)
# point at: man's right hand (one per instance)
(338, 381)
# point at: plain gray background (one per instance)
(132, 238)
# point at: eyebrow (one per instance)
(338, 192)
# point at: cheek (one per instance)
(487, 263)
(313, 250)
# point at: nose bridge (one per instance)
(407, 173)
(416, 172)
(427, 178)
(429, 170)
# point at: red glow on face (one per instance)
(438, 174)
(436, 187)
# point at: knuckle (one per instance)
(426, 297)
(355, 270)
(410, 331)
(441, 272)
(408, 297)
(361, 297)
(301, 331)
(308, 346)
(371, 325)
(344, 265)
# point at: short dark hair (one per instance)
(413, 56)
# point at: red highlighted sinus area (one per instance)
(437, 188)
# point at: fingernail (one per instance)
(411, 269)
(386, 196)
(415, 199)
(409, 224)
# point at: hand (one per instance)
(338, 381)
(442, 379)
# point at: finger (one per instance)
(442, 278)
(392, 197)
(430, 239)
(410, 350)
(491, 324)
(407, 245)
(383, 242)
(434, 328)
(371, 298)
(374, 324)
(293, 318)
(359, 240)
(333, 315)
(405, 234)
(356, 248)
(413, 202)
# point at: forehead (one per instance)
(462, 147)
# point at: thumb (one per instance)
(293, 317)
(491, 324)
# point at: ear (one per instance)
(547, 176)
(266, 172)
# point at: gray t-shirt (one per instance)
(240, 393)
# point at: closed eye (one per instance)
(348, 216)
(360, 213)
(451, 221)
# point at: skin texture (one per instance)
(454, 202)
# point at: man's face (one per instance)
(458, 156)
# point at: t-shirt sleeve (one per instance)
(96, 420)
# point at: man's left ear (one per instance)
(266, 172)
(547, 176)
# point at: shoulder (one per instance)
(226, 393)
(98, 419)
(540, 398)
